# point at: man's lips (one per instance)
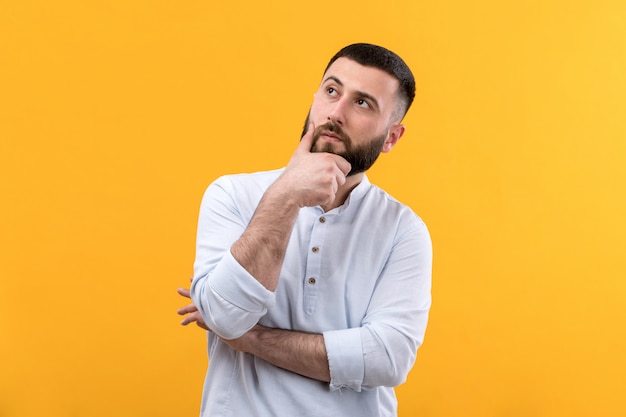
(331, 135)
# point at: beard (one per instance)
(361, 158)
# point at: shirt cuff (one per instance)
(232, 300)
(233, 283)
(345, 358)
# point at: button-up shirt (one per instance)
(359, 274)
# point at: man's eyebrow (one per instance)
(333, 78)
(359, 93)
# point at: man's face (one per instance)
(353, 113)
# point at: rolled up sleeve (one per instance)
(382, 351)
(345, 358)
(230, 300)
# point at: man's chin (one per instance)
(323, 146)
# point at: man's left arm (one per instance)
(382, 351)
(298, 352)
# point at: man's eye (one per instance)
(363, 103)
(331, 91)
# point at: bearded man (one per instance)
(315, 285)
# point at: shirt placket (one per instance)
(312, 277)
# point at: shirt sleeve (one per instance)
(230, 300)
(383, 350)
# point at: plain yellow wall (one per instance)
(116, 115)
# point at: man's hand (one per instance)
(313, 178)
(193, 315)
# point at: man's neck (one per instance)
(344, 191)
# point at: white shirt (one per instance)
(359, 274)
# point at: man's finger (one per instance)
(190, 308)
(191, 318)
(342, 164)
(307, 140)
(202, 325)
(197, 318)
(187, 320)
(184, 292)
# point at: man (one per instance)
(313, 283)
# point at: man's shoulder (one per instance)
(390, 208)
(254, 180)
(243, 188)
(378, 196)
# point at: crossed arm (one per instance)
(310, 179)
(302, 353)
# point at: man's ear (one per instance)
(394, 135)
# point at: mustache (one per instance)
(333, 128)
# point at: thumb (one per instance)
(307, 140)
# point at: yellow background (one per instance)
(116, 115)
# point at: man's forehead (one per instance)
(350, 72)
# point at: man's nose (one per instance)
(337, 112)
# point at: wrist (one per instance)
(283, 196)
(250, 340)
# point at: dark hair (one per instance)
(378, 57)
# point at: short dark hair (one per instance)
(378, 57)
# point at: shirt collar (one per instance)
(355, 195)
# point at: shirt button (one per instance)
(311, 281)
(315, 249)
(322, 219)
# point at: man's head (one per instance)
(378, 57)
(365, 92)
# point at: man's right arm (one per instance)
(310, 179)
(239, 288)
